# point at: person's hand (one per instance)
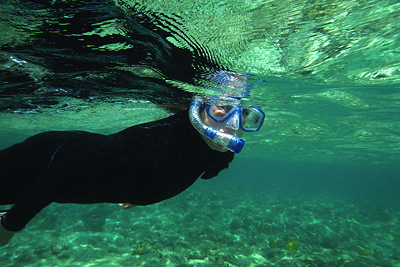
(5, 235)
(126, 205)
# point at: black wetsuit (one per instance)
(141, 165)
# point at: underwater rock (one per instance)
(273, 255)
(236, 224)
(290, 263)
(272, 243)
(24, 254)
(141, 249)
(57, 249)
(356, 264)
(364, 252)
(315, 262)
(328, 243)
(381, 215)
(63, 255)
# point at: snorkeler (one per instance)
(141, 165)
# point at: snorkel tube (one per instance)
(232, 142)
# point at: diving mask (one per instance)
(235, 117)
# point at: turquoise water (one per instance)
(318, 185)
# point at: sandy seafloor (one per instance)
(209, 225)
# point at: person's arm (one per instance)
(223, 163)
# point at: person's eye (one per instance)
(226, 108)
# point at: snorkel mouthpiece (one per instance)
(230, 141)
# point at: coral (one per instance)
(364, 252)
(272, 243)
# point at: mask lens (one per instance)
(219, 113)
(252, 119)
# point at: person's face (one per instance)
(231, 126)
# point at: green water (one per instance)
(318, 185)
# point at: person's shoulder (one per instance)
(175, 118)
